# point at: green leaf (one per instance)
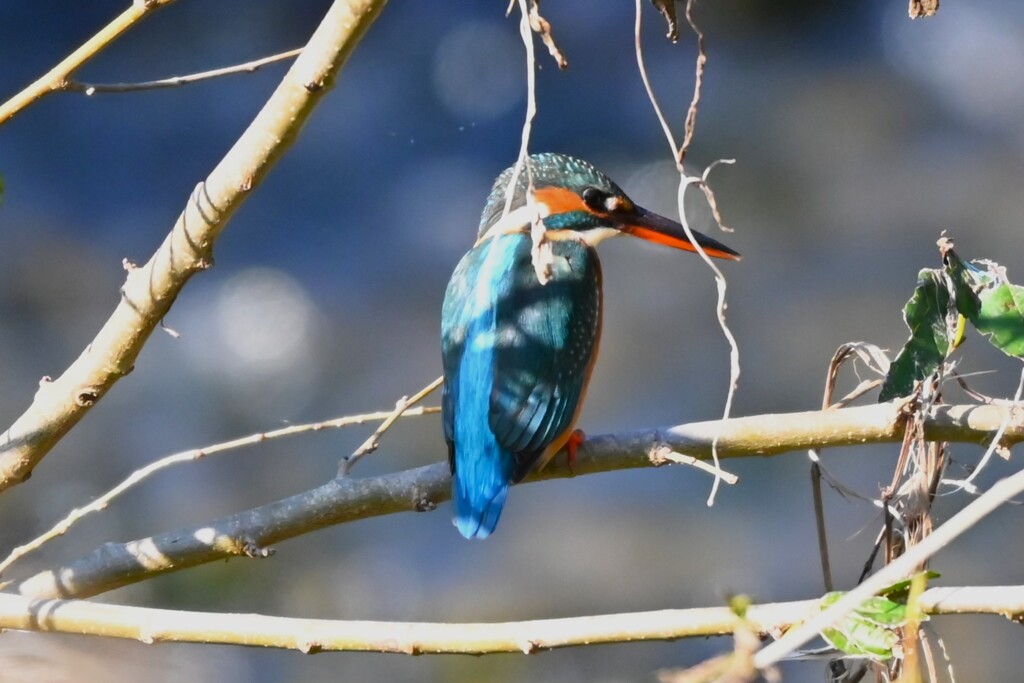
(869, 630)
(859, 639)
(993, 305)
(901, 589)
(929, 344)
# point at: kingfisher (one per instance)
(518, 352)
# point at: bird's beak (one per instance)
(654, 228)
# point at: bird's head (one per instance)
(575, 200)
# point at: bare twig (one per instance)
(819, 519)
(175, 81)
(150, 290)
(684, 182)
(720, 286)
(995, 446)
(417, 638)
(667, 455)
(373, 442)
(698, 80)
(541, 251)
(542, 27)
(638, 48)
(923, 8)
(348, 499)
(56, 77)
(875, 359)
(143, 473)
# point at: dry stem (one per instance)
(373, 442)
(175, 81)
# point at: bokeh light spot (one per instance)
(478, 71)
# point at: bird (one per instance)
(518, 353)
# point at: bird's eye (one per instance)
(595, 199)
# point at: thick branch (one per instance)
(319, 635)
(56, 78)
(347, 499)
(150, 290)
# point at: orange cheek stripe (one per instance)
(559, 200)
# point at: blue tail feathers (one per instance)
(480, 480)
(477, 508)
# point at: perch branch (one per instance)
(56, 78)
(150, 290)
(175, 81)
(348, 499)
(321, 635)
(143, 473)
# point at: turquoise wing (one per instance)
(481, 468)
(546, 338)
(517, 357)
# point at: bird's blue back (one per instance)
(517, 356)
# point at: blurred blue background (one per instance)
(859, 135)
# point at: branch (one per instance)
(181, 457)
(248, 67)
(149, 291)
(528, 637)
(247, 533)
(56, 78)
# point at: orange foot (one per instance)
(575, 439)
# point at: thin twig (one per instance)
(819, 519)
(541, 251)
(150, 290)
(373, 442)
(684, 182)
(996, 445)
(709, 194)
(175, 81)
(56, 77)
(143, 473)
(720, 286)
(638, 48)
(864, 387)
(542, 27)
(664, 454)
(418, 638)
(929, 657)
(349, 499)
(691, 112)
(868, 353)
